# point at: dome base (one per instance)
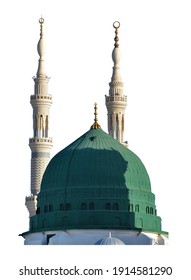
(93, 237)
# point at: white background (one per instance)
(155, 43)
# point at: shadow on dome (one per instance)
(84, 188)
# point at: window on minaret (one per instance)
(111, 120)
(117, 126)
(122, 122)
(46, 127)
(41, 125)
(35, 126)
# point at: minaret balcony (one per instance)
(40, 143)
(35, 96)
(38, 99)
(116, 98)
(40, 140)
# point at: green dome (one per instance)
(95, 183)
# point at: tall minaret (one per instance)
(116, 101)
(41, 143)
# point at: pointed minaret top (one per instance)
(116, 55)
(41, 50)
(96, 124)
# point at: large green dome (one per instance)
(95, 183)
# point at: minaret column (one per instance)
(116, 101)
(40, 144)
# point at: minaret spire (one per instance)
(41, 51)
(116, 101)
(40, 144)
(96, 124)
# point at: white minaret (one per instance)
(41, 143)
(116, 101)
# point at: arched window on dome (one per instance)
(155, 212)
(137, 208)
(50, 208)
(147, 210)
(91, 206)
(38, 210)
(45, 208)
(107, 206)
(61, 207)
(115, 206)
(68, 206)
(130, 208)
(83, 206)
(151, 210)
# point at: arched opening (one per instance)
(130, 208)
(137, 208)
(50, 208)
(61, 207)
(45, 208)
(46, 127)
(91, 206)
(68, 206)
(41, 126)
(151, 210)
(115, 206)
(83, 206)
(107, 206)
(147, 209)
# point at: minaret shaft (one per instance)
(40, 144)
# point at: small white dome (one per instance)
(110, 241)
